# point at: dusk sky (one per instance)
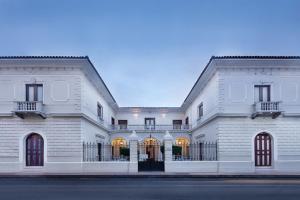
(149, 52)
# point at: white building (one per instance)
(241, 116)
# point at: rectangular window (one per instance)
(149, 123)
(34, 92)
(177, 124)
(100, 111)
(112, 121)
(187, 123)
(122, 124)
(200, 110)
(262, 93)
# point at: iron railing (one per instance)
(93, 152)
(150, 127)
(206, 151)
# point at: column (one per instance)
(168, 142)
(133, 145)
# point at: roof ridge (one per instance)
(43, 57)
(255, 57)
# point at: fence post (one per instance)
(168, 141)
(133, 146)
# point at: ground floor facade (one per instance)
(224, 145)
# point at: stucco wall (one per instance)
(237, 88)
(62, 138)
(236, 137)
(161, 118)
(209, 96)
(61, 89)
(90, 97)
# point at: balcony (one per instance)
(148, 128)
(26, 108)
(265, 109)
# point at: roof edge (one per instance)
(234, 57)
(43, 57)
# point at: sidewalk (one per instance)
(150, 175)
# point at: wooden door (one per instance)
(34, 150)
(263, 150)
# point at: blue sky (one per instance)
(150, 52)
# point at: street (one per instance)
(44, 188)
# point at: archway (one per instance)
(120, 149)
(263, 149)
(152, 149)
(34, 150)
(182, 150)
(151, 155)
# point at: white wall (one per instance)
(61, 136)
(161, 118)
(92, 133)
(61, 89)
(209, 96)
(237, 88)
(90, 97)
(208, 132)
(236, 137)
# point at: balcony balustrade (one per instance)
(23, 108)
(150, 127)
(267, 108)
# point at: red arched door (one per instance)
(263, 150)
(34, 150)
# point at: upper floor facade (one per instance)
(228, 86)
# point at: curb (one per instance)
(158, 176)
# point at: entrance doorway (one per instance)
(263, 150)
(151, 155)
(34, 150)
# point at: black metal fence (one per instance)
(93, 152)
(206, 151)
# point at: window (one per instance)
(186, 126)
(187, 121)
(200, 110)
(100, 111)
(34, 92)
(262, 93)
(122, 124)
(177, 124)
(149, 123)
(112, 121)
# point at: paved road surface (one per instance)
(147, 188)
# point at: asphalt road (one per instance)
(147, 188)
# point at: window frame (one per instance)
(200, 110)
(177, 124)
(35, 91)
(99, 111)
(260, 92)
(122, 123)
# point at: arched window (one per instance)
(151, 149)
(263, 149)
(183, 145)
(119, 148)
(34, 150)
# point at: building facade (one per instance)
(241, 117)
